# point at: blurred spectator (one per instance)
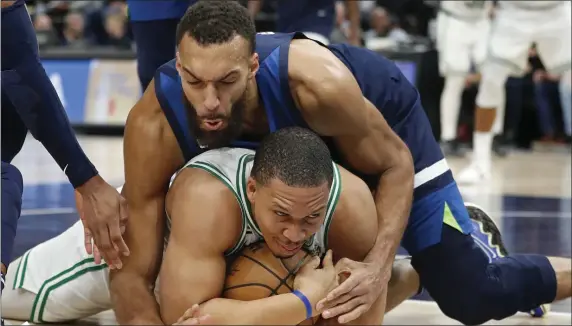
(566, 103)
(73, 30)
(545, 96)
(45, 31)
(384, 26)
(340, 32)
(116, 27)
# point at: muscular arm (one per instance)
(352, 234)
(205, 222)
(151, 157)
(332, 103)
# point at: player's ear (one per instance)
(251, 189)
(254, 65)
(178, 62)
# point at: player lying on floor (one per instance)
(295, 196)
(216, 206)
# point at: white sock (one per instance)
(482, 148)
(450, 106)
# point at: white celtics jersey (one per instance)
(232, 167)
(466, 9)
(531, 4)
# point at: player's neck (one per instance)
(254, 120)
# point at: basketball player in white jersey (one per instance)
(216, 205)
(462, 31)
(516, 26)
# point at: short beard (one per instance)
(218, 138)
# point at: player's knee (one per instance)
(12, 181)
(492, 86)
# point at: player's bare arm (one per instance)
(332, 104)
(151, 157)
(205, 222)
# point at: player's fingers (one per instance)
(343, 288)
(344, 265)
(327, 262)
(96, 255)
(342, 309)
(87, 240)
(354, 314)
(123, 216)
(108, 252)
(325, 304)
(117, 239)
(311, 264)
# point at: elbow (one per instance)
(405, 160)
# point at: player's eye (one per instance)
(228, 81)
(194, 82)
(279, 213)
(315, 215)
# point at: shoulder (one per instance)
(206, 204)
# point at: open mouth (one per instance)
(212, 124)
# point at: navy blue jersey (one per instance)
(381, 82)
(316, 16)
(16, 4)
(144, 10)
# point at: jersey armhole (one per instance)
(217, 173)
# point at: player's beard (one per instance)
(217, 138)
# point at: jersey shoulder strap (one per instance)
(169, 93)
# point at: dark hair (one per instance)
(216, 22)
(296, 156)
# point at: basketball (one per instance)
(256, 274)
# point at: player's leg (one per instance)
(12, 188)
(156, 43)
(56, 281)
(465, 271)
(454, 66)
(554, 49)
(565, 89)
(13, 130)
(507, 54)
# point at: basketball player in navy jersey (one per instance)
(30, 103)
(154, 24)
(229, 86)
(315, 18)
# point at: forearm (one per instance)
(54, 131)
(31, 93)
(283, 309)
(393, 200)
(133, 301)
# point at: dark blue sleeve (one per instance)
(32, 95)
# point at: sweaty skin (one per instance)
(206, 222)
(332, 104)
(152, 155)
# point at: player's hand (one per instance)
(356, 294)
(315, 282)
(104, 212)
(192, 317)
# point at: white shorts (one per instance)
(514, 31)
(56, 281)
(461, 43)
